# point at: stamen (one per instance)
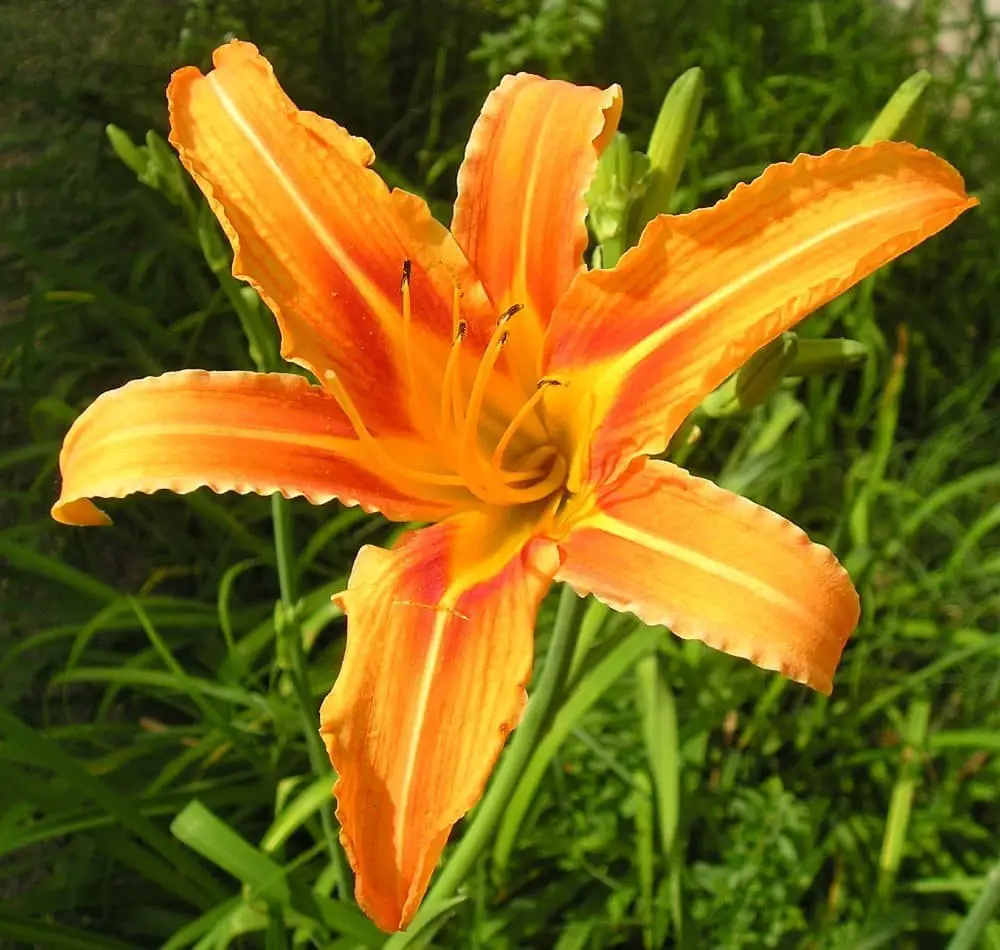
(336, 389)
(451, 383)
(544, 453)
(529, 407)
(508, 313)
(494, 485)
(404, 289)
(522, 496)
(468, 447)
(456, 311)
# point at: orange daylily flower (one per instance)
(481, 379)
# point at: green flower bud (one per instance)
(164, 172)
(755, 381)
(902, 116)
(668, 146)
(815, 357)
(132, 155)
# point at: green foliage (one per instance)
(548, 34)
(163, 786)
(769, 856)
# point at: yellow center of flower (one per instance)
(540, 469)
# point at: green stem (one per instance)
(284, 549)
(290, 632)
(537, 716)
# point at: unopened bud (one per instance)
(668, 146)
(755, 381)
(163, 172)
(816, 357)
(902, 115)
(132, 155)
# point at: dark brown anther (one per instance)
(549, 381)
(509, 312)
(405, 279)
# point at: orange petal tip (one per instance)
(81, 512)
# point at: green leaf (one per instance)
(51, 936)
(901, 803)
(433, 916)
(201, 888)
(591, 687)
(315, 796)
(25, 559)
(980, 915)
(660, 737)
(611, 194)
(213, 839)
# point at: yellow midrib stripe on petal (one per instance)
(622, 364)
(348, 448)
(477, 570)
(381, 306)
(724, 572)
(433, 655)
(520, 276)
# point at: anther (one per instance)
(451, 382)
(404, 289)
(508, 313)
(468, 460)
(520, 417)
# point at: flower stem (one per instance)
(537, 716)
(290, 634)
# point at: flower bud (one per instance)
(902, 116)
(755, 381)
(815, 357)
(668, 146)
(163, 171)
(132, 155)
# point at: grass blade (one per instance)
(980, 914)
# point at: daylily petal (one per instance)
(710, 565)
(242, 432)
(520, 210)
(644, 343)
(320, 235)
(439, 647)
